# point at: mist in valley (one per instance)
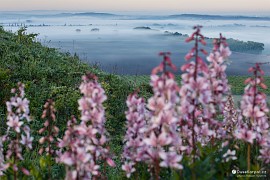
(129, 44)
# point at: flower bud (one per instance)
(42, 140)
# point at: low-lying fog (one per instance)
(111, 40)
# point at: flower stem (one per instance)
(248, 156)
(180, 173)
(15, 157)
(156, 170)
(136, 172)
(15, 171)
(49, 166)
(193, 174)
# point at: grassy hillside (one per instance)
(48, 73)
(236, 82)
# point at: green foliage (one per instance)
(236, 83)
(235, 44)
(40, 170)
(5, 85)
(24, 38)
(249, 46)
(242, 46)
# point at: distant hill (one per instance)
(11, 15)
(218, 17)
(91, 14)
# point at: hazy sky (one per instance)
(222, 6)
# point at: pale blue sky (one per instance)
(221, 6)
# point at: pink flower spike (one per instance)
(254, 110)
(84, 145)
(18, 135)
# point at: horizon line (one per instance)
(147, 12)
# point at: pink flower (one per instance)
(71, 175)
(27, 141)
(170, 159)
(162, 140)
(93, 168)
(205, 131)
(265, 154)
(229, 155)
(191, 38)
(189, 56)
(246, 135)
(128, 168)
(110, 162)
(225, 51)
(15, 123)
(25, 171)
(22, 105)
(67, 159)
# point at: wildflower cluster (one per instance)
(76, 155)
(162, 139)
(84, 145)
(217, 67)
(218, 60)
(134, 139)
(162, 145)
(254, 109)
(18, 132)
(196, 97)
(254, 126)
(181, 118)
